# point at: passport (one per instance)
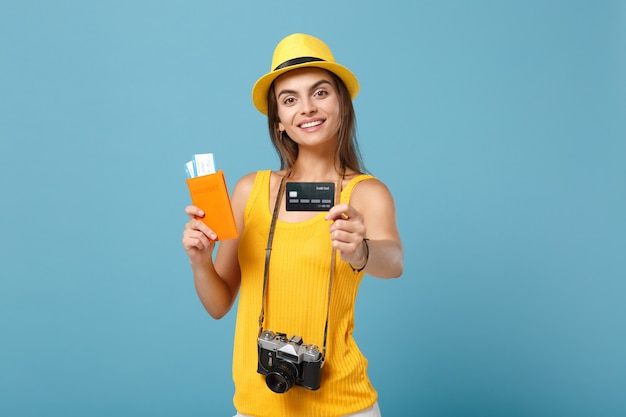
(210, 193)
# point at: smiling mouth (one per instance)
(311, 124)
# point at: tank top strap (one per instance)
(259, 194)
(347, 191)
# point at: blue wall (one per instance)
(499, 127)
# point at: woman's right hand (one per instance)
(198, 238)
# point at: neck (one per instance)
(315, 170)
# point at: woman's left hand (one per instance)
(347, 233)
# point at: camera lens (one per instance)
(281, 376)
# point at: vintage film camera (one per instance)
(286, 362)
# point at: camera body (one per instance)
(286, 362)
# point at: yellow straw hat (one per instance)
(300, 51)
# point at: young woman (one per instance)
(297, 272)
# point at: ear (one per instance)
(281, 127)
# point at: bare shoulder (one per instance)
(371, 191)
(242, 191)
(373, 199)
(245, 183)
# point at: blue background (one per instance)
(498, 126)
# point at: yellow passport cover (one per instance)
(209, 193)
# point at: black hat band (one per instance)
(297, 61)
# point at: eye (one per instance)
(320, 93)
(288, 101)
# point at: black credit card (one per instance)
(310, 196)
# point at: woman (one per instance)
(299, 268)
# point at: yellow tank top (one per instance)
(296, 303)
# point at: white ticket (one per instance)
(203, 164)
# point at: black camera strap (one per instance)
(268, 253)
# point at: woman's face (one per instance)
(308, 106)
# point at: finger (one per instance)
(207, 231)
(353, 225)
(346, 250)
(341, 236)
(194, 212)
(343, 225)
(341, 211)
(199, 225)
(191, 243)
(353, 238)
(196, 239)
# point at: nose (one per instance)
(308, 105)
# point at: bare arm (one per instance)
(371, 214)
(217, 282)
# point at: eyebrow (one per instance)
(313, 87)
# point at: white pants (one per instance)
(373, 411)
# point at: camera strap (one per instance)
(268, 253)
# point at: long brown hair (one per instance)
(348, 152)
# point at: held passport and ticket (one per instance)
(208, 191)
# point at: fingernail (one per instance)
(213, 236)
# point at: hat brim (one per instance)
(262, 85)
